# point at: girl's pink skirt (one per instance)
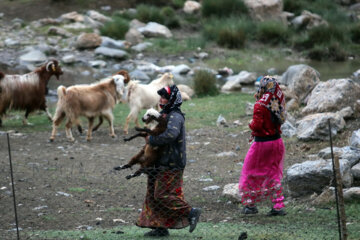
(262, 173)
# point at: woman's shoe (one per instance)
(157, 232)
(194, 218)
(250, 210)
(274, 212)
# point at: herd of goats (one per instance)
(27, 92)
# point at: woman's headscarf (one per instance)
(270, 96)
(171, 93)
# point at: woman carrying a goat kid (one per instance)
(165, 207)
(263, 165)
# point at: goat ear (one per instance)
(126, 76)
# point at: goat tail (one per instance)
(61, 91)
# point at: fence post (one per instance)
(13, 188)
(340, 206)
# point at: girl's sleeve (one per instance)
(258, 118)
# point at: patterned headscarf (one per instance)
(171, 93)
(270, 96)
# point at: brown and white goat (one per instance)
(27, 92)
(148, 155)
(144, 96)
(90, 101)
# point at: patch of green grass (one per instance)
(77, 189)
(200, 112)
(48, 218)
(173, 46)
(300, 223)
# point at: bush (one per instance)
(295, 7)
(171, 20)
(147, 13)
(231, 38)
(116, 29)
(205, 84)
(272, 32)
(355, 33)
(223, 8)
(178, 3)
(331, 51)
(231, 32)
(321, 35)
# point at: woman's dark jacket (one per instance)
(173, 142)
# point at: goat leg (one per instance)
(126, 139)
(135, 174)
(99, 124)
(118, 168)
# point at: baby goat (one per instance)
(148, 155)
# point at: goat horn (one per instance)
(48, 65)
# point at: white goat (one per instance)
(144, 96)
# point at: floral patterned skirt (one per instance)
(164, 204)
(262, 173)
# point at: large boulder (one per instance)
(235, 82)
(355, 139)
(191, 7)
(300, 79)
(153, 29)
(308, 20)
(264, 9)
(88, 40)
(315, 126)
(332, 95)
(313, 176)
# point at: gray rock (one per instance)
(315, 126)
(332, 95)
(287, 129)
(139, 75)
(153, 29)
(231, 191)
(112, 43)
(355, 139)
(110, 52)
(312, 176)
(300, 79)
(34, 56)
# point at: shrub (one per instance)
(205, 84)
(321, 35)
(231, 32)
(272, 32)
(178, 3)
(223, 8)
(231, 38)
(170, 18)
(295, 7)
(147, 13)
(117, 28)
(355, 33)
(331, 51)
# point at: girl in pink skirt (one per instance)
(263, 165)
